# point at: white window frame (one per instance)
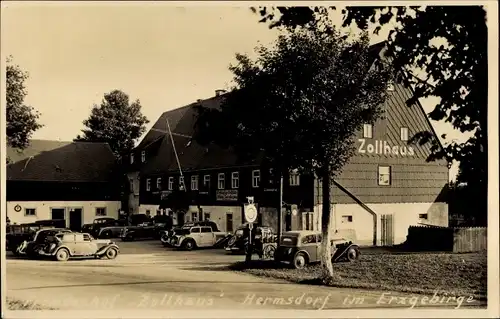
(206, 181)
(31, 209)
(256, 178)
(148, 184)
(294, 178)
(235, 180)
(103, 208)
(221, 178)
(271, 176)
(404, 132)
(170, 183)
(143, 156)
(205, 214)
(158, 183)
(381, 172)
(367, 131)
(132, 158)
(194, 182)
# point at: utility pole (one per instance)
(176, 156)
(280, 210)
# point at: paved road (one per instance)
(148, 276)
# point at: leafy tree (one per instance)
(116, 122)
(22, 120)
(298, 106)
(443, 52)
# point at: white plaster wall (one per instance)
(404, 215)
(43, 210)
(152, 209)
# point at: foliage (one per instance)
(22, 120)
(447, 45)
(116, 122)
(299, 105)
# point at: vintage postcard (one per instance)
(249, 159)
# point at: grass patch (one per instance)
(455, 274)
(16, 304)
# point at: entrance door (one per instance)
(75, 219)
(180, 218)
(387, 230)
(57, 213)
(229, 222)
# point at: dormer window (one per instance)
(390, 86)
(143, 156)
(132, 158)
(404, 134)
(367, 131)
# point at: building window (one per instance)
(170, 183)
(148, 212)
(207, 216)
(423, 216)
(206, 181)
(143, 156)
(131, 185)
(148, 184)
(367, 130)
(221, 181)
(158, 183)
(182, 186)
(131, 158)
(194, 216)
(390, 86)
(194, 182)
(294, 178)
(100, 211)
(30, 212)
(384, 175)
(255, 178)
(404, 134)
(346, 219)
(235, 179)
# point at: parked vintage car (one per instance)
(168, 235)
(238, 243)
(17, 234)
(300, 248)
(131, 233)
(31, 248)
(196, 237)
(96, 227)
(62, 246)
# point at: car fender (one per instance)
(104, 249)
(302, 251)
(183, 240)
(340, 252)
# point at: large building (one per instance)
(75, 181)
(386, 187)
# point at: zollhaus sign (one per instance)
(384, 148)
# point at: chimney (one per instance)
(219, 92)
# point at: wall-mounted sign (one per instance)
(384, 148)
(227, 195)
(17, 208)
(270, 189)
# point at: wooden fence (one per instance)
(455, 239)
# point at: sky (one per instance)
(163, 55)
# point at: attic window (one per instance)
(143, 156)
(390, 86)
(188, 143)
(131, 158)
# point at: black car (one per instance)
(31, 248)
(239, 241)
(17, 234)
(95, 228)
(131, 233)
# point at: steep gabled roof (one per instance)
(58, 161)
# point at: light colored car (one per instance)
(196, 236)
(63, 246)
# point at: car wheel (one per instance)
(299, 261)
(352, 254)
(111, 253)
(231, 241)
(108, 234)
(189, 245)
(62, 254)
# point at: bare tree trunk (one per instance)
(326, 256)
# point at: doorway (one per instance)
(387, 230)
(57, 213)
(229, 222)
(75, 219)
